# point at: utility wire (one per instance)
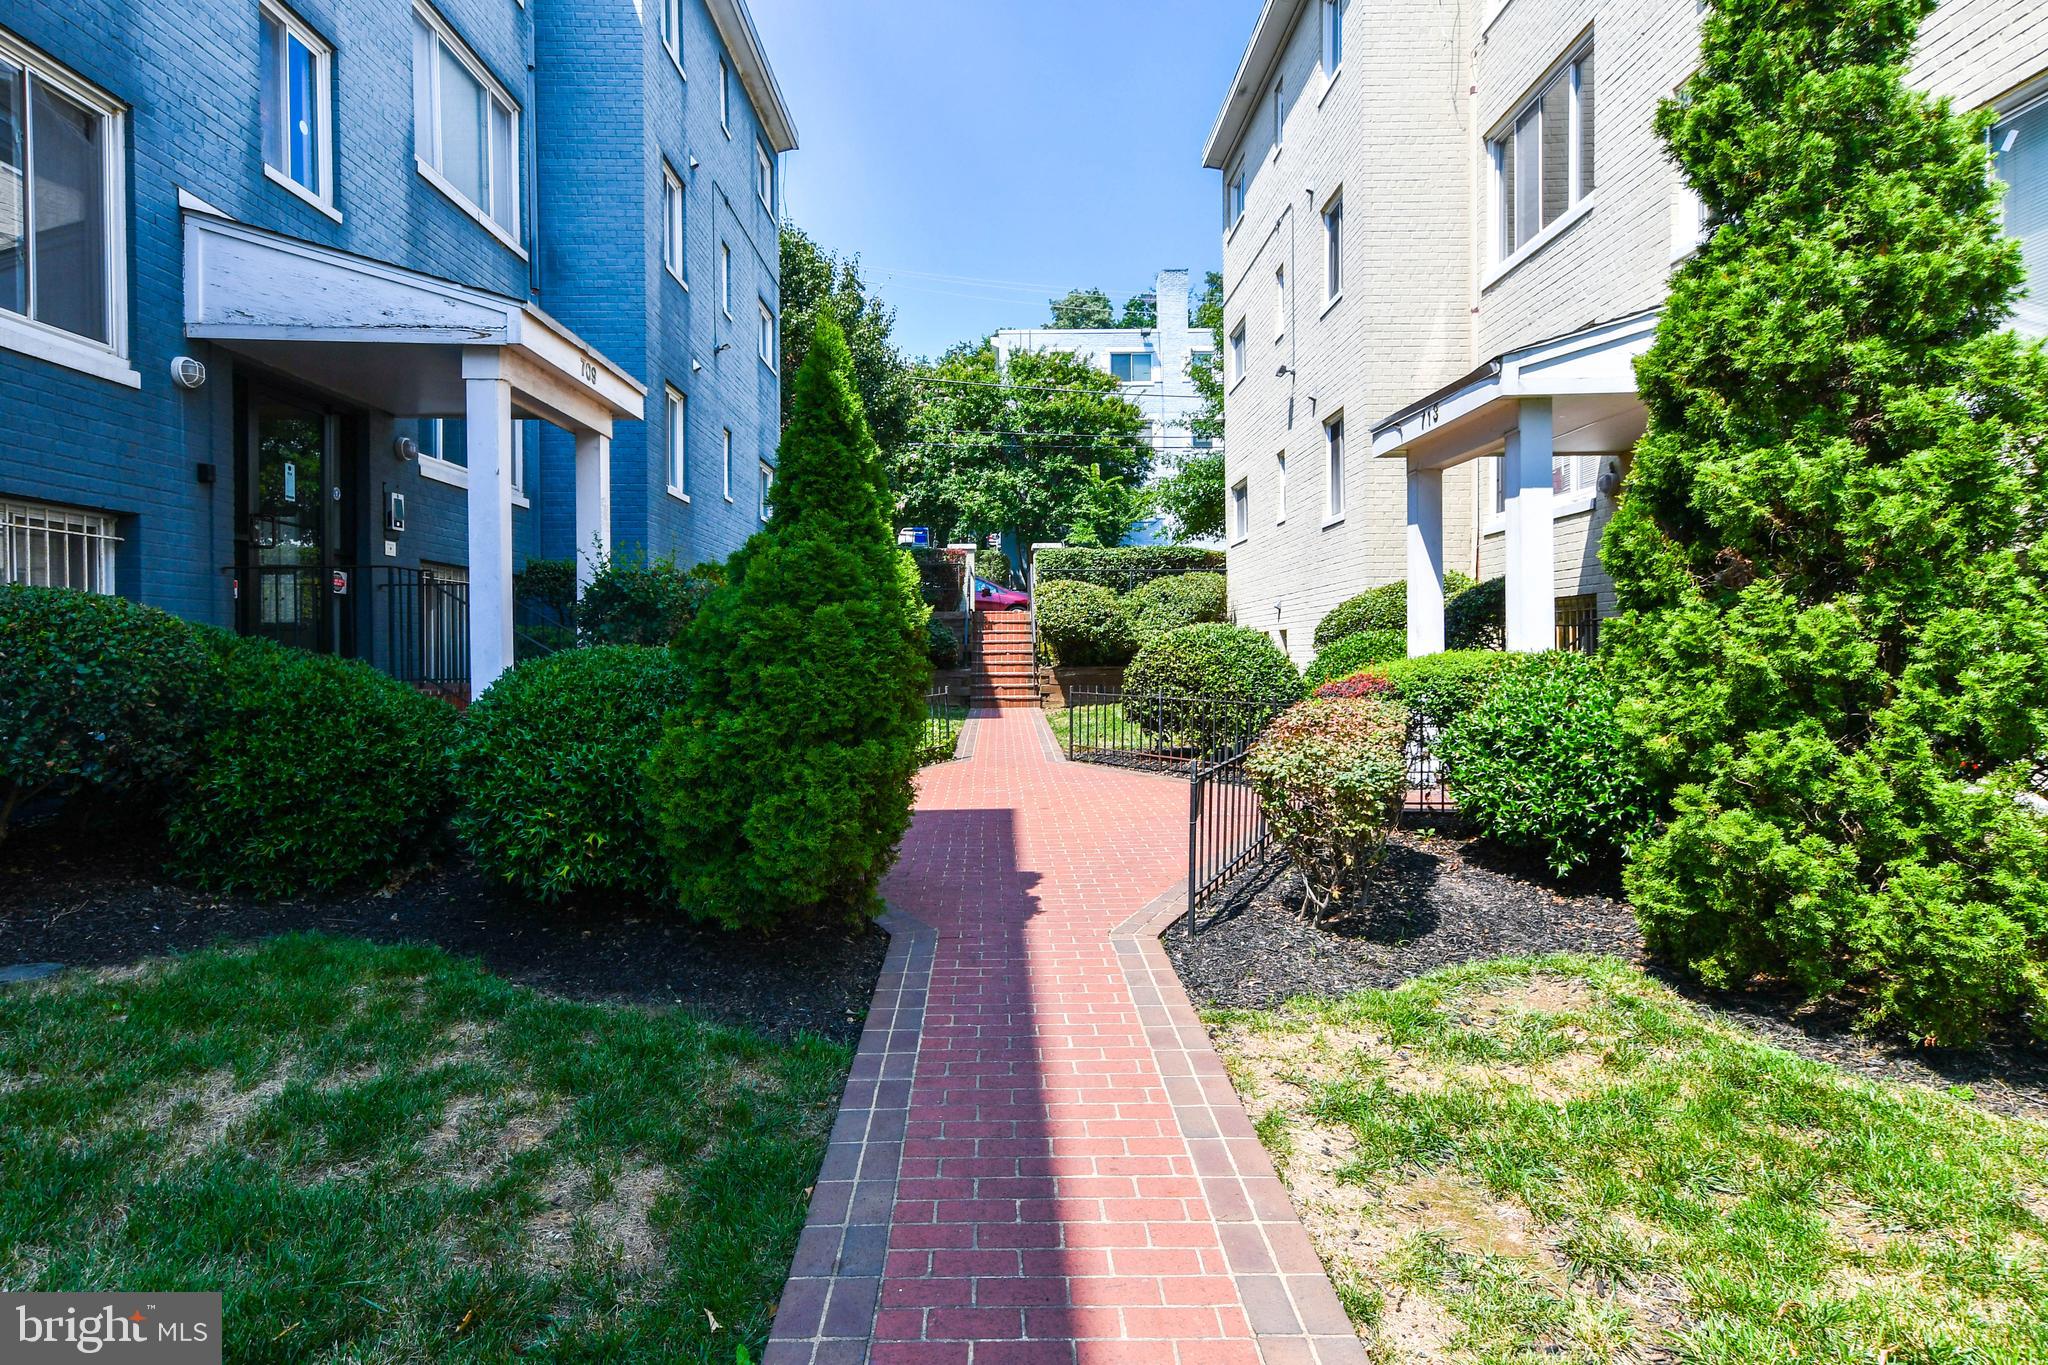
(1021, 388)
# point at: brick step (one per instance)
(1017, 677)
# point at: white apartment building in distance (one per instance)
(1154, 364)
(1448, 229)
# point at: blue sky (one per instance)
(983, 155)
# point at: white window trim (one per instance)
(675, 449)
(769, 341)
(725, 279)
(507, 236)
(1332, 297)
(1234, 205)
(1241, 511)
(1278, 96)
(671, 25)
(321, 198)
(519, 497)
(1330, 15)
(1562, 505)
(98, 530)
(767, 476)
(1338, 487)
(679, 238)
(1280, 483)
(1279, 302)
(438, 469)
(725, 97)
(1581, 200)
(1237, 350)
(39, 340)
(764, 176)
(728, 463)
(1501, 269)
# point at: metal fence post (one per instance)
(1194, 842)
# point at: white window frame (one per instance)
(1279, 114)
(321, 194)
(725, 279)
(2029, 100)
(672, 31)
(727, 478)
(1279, 302)
(767, 479)
(26, 522)
(764, 176)
(1333, 37)
(725, 96)
(1280, 489)
(433, 464)
(1237, 353)
(769, 343)
(21, 332)
(1333, 249)
(1580, 494)
(1335, 474)
(1580, 182)
(675, 431)
(428, 158)
(1233, 198)
(675, 218)
(1240, 511)
(1151, 365)
(519, 497)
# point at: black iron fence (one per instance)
(1426, 789)
(944, 714)
(425, 619)
(1157, 731)
(411, 623)
(1228, 836)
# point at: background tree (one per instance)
(1140, 310)
(1083, 308)
(1192, 495)
(782, 784)
(1831, 548)
(1027, 451)
(815, 281)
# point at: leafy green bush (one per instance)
(1330, 776)
(1162, 604)
(1123, 567)
(1443, 688)
(1205, 668)
(782, 784)
(1083, 625)
(991, 563)
(642, 602)
(547, 586)
(1355, 652)
(547, 772)
(1543, 764)
(943, 648)
(322, 773)
(1829, 554)
(1367, 684)
(97, 695)
(939, 576)
(1381, 608)
(1477, 618)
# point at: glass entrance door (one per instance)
(287, 579)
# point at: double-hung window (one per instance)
(1279, 302)
(1279, 114)
(296, 97)
(1333, 442)
(676, 429)
(63, 278)
(465, 126)
(1132, 367)
(767, 484)
(725, 96)
(725, 279)
(2019, 146)
(767, 336)
(1543, 154)
(764, 177)
(1333, 36)
(726, 474)
(1237, 353)
(672, 30)
(1240, 510)
(1280, 488)
(673, 222)
(1333, 248)
(1233, 197)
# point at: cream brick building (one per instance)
(1448, 228)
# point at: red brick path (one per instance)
(1071, 1166)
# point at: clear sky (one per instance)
(982, 156)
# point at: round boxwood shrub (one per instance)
(322, 773)
(547, 772)
(1083, 624)
(1354, 652)
(1381, 608)
(1162, 604)
(1330, 775)
(944, 647)
(1543, 764)
(1441, 688)
(97, 695)
(1202, 669)
(1477, 618)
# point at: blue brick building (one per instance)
(318, 321)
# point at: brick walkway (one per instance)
(1038, 1157)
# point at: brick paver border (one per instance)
(827, 1312)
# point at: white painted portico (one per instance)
(408, 344)
(1570, 395)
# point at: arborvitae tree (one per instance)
(783, 783)
(1830, 551)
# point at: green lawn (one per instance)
(942, 731)
(1101, 721)
(1562, 1160)
(386, 1154)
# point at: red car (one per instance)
(989, 597)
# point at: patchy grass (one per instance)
(1558, 1159)
(942, 730)
(1101, 721)
(384, 1153)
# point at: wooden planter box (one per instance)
(1054, 682)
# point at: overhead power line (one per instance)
(1026, 388)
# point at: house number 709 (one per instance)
(589, 370)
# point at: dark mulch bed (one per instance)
(84, 902)
(1443, 897)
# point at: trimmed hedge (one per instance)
(1477, 618)
(1207, 663)
(97, 695)
(323, 773)
(1124, 566)
(1330, 776)
(1356, 652)
(641, 601)
(1381, 608)
(1443, 688)
(1083, 625)
(1162, 604)
(547, 771)
(1544, 764)
(943, 646)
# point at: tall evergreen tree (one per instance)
(783, 783)
(1830, 552)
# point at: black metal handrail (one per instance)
(411, 623)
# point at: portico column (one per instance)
(488, 403)
(1425, 561)
(1531, 555)
(593, 504)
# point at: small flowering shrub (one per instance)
(1354, 652)
(1329, 774)
(1358, 685)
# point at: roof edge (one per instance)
(736, 27)
(1269, 34)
